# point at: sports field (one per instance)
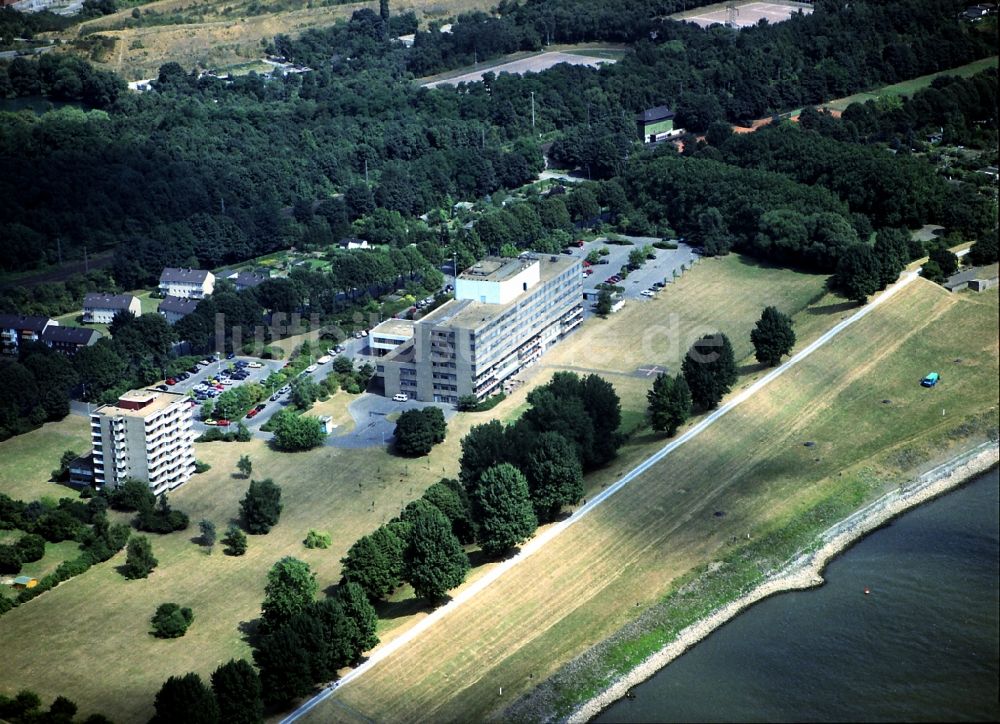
(857, 401)
(744, 15)
(531, 64)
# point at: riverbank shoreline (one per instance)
(805, 570)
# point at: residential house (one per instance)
(102, 308)
(247, 280)
(186, 283)
(352, 243)
(173, 309)
(69, 340)
(15, 329)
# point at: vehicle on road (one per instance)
(252, 413)
(171, 381)
(400, 397)
(163, 388)
(210, 423)
(930, 380)
(231, 355)
(222, 422)
(255, 365)
(324, 359)
(312, 368)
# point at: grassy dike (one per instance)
(731, 581)
(656, 552)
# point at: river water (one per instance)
(923, 645)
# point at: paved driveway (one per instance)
(660, 269)
(371, 424)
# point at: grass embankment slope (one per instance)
(857, 400)
(909, 87)
(217, 34)
(99, 621)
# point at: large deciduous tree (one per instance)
(185, 699)
(261, 506)
(502, 505)
(772, 337)
(238, 693)
(554, 474)
(669, 403)
(709, 369)
(291, 587)
(435, 561)
(139, 560)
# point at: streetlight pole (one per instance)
(532, 111)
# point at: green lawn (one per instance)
(909, 87)
(27, 461)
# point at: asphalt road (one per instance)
(535, 544)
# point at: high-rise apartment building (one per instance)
(505, 315)
(146, 435)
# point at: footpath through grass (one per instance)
(857, 401)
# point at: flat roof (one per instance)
(157, 401)
(496, 269)
(397, 327)
(470, 314)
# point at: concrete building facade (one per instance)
(505, 315)
(187, 283)
(102, 308)
(16, 329)
(146, 435)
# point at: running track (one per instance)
(535, 544)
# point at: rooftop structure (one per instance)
(102, 308)
(69, 340)
(174, 309)
(507, 312)
(194, 283)
(145, 435)
(16, 329)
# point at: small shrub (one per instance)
(201, 467)
(171, 621)
(318, 539)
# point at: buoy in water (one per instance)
(867, 590)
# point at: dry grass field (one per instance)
(328, 489)
(752, 465)
(216, 34)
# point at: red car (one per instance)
(219, 387)
(252, 413)
(171, 381)
(223, 422)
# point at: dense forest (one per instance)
(208, 170)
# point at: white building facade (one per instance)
(187, 283)
(146, 435)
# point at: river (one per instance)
(922, 645)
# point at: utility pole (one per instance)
(532, 111)
(366, 172)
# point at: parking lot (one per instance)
(660, 269)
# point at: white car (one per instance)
(227, 381)
(254, 365)
(648, 293)
(312, 368)
(400, 397)
(324, 359)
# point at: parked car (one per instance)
(222, 422)
(930, 380)
(171, 381)
(194, 369)
(252, 413)
(286, 389)
(260, 406)
(255, 365)
(275, 396)
(162, 388)
(400, 397)
(579, 243)
(312, 368)
(324, 359)
(210, 423)
(231, 355)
